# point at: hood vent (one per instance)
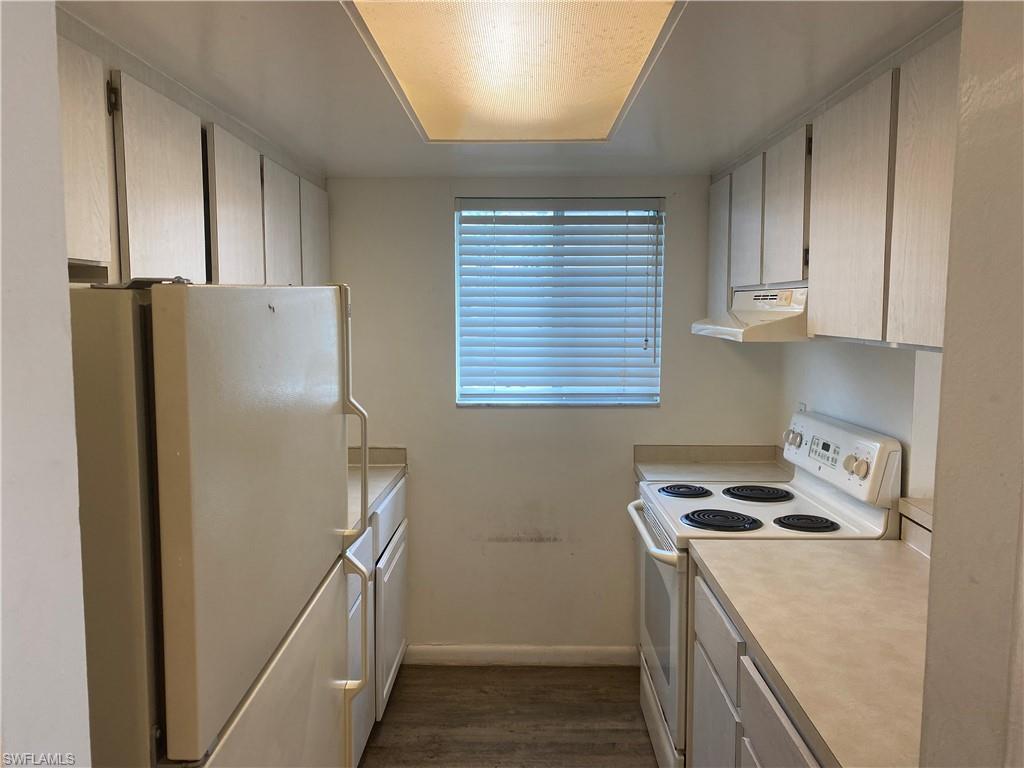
(760, 315)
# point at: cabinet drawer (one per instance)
(720, 639)
(747, 757)
(390, 514)
(716, 726)
(773, 738)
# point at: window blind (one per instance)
(559, 301)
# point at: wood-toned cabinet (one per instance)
(923, 193)
(316, 235)
(718, 247)
(159, 161)
(87, 131)
(850, 193)
(746, 232)
(787, 202)
(236, 209)
(282, 237)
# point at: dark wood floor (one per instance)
(485, 717)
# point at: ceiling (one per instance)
(731, 74)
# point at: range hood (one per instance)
(760, 315)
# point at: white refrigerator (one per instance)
(214, 512)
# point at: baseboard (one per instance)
(524, 655)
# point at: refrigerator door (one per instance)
(252, 484)
(293, 714)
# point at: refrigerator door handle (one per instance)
(352, 408)
(351, 688)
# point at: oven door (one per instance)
(662, 615)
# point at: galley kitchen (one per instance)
(513, 383)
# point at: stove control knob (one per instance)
(861, 468)
(849, 462)
(787, 436)
(796, 440)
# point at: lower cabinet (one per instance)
(364, 709)
(391, 581)
(737, 720)
(716, 726)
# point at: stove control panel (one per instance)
(861, 463)
(824, 451)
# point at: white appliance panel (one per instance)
(293, 716)
(252, 464)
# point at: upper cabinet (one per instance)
(90, 198)
(236, 209)
(923, 193)
(159, 185)
(850, 193)
(316, 235)
(281, 225)
(746, 227)
(718, 247)
(787, 200)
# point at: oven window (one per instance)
(658, 614)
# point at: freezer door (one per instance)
(252, 484)
(293, 716)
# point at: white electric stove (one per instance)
(845, 486)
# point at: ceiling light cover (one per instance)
(522, 70)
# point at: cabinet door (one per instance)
(316, 235)
(159, 185)
(364, 710)
(87, 143)
(923, 193)
(364, 713)
(391, 585)
(747, 217)
(281, 225)
(853, 145)
(716, 726)
(718, 247)
(236, 209)
(787, 200)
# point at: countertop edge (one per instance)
(819, 747)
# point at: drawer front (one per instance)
(390, 514)
(747, 757)
(773, 738)
(716, 726)
(720, 639)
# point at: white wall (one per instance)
(44, 702)
(973, 687)
(518, 524)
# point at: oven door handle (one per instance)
(662, 555)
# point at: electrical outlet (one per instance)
(801, 407)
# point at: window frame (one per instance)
(563, 204)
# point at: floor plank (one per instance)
(512, 717)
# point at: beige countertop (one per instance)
(714, 471)
(838, 628)
(382, 478)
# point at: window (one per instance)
(558, 301)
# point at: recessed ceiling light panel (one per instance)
(515, 70)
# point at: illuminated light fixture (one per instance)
(515, 70)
